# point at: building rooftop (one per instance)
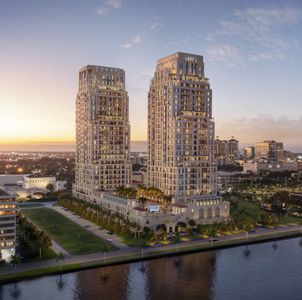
(38, 176)
(102, 68)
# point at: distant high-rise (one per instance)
(226, 151)
(102, 131)
(181, 129)
(269, 150)
(249, 152)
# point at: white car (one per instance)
(109, 240)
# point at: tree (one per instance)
(247, 226)
(211, 230)
(177, 240)
(105, 249)
(50, 187)
(142, 245)
(60, 257)
(181, 225)
(15, 261)
(192, 223)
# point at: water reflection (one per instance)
(218, 275)
(102, 283)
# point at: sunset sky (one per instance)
(252, 52)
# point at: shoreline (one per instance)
(149, 253)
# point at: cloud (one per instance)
(266, 56)
(264, 127)
(127, 45)
(260, 29)
(136, 40)
(114, 3)
(225, 53)
(109, 5)
(156, 25)
(103, 11)
(251, 22)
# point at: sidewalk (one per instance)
(127, 255)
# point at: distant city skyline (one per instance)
(251, 51)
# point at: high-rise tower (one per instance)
(102, 131)
(181, 129)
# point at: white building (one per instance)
(28, 185)
(205, 211)
(40, 182)
(258, 166)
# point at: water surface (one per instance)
(264, 272)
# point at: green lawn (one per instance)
(287, 220)
(29, 205)
(131, 242)
(72, 237)
(48, 254)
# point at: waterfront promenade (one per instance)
(130, 254)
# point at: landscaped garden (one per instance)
(72, 237)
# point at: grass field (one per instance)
(29, 205)
(48, 254)
(286, 220)
(72, 237)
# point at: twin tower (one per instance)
(180, 131)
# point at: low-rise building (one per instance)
(205, 210)
(36, 181)
(8, 212)
(27, 185)
(257, 167)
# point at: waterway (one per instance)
(265, 271)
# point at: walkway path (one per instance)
(126, 253)
(56, 248)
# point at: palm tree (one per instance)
(60, 282)
(212, 234)
(60, 257)
(177, 240)
(247, 251)
(105, 250)
(15, 261)
(247, 226)
(142, 245)
(177, 260)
